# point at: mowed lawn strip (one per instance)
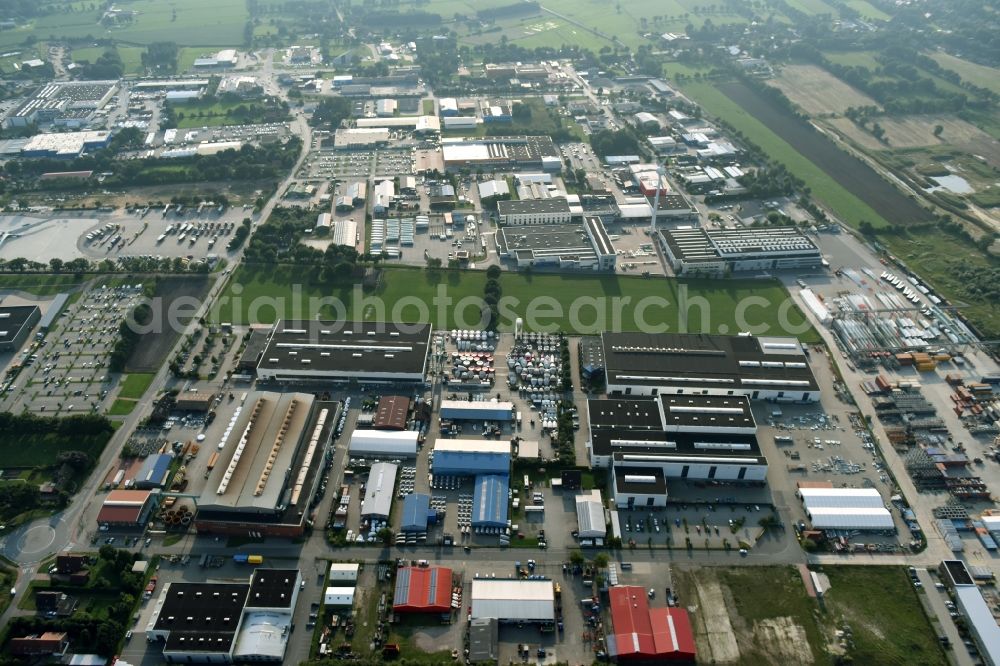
(886, 618)
(134, 385)
(581, 304)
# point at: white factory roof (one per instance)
(590, 515)
(392, 442)
(493, 188)
(344, 570)
(980, 618)
(263, 634)
(465, 152)
(211, 148)
(846, 498)
(836, 518)
(472, 445)
(339, 596)
(378, 494)
(361, 136)
(527, 600)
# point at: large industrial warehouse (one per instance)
(422, 590)
(683, 436)
(761, 368)
(718, 251)
(268, 466)
(513, 600)
(641, 634)
(469, 457)
(226, 622)
(362, 352)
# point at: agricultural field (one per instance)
(187, 22)
(849, 172)
(918, 132)
(867, 10)
(763, 615)
(813, 7)
(864, 59)
(131, 56)
(265, 294)
(817, 92)
(848, 207)
(39, 285)
(976, 74)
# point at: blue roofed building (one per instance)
(471, 457)
(489, 501)
(416, 512)
(154, 471)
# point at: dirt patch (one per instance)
(817, 92)
(154, 346)
(918, 132)
(713, 629)
(782, 639)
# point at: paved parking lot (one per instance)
(67, 370)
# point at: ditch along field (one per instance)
(579, 304)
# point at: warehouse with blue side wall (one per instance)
(471, 457)
(476, 410)
(489, 501)
(417, 513)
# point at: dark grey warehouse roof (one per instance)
(719, 362)
(347, 348)
(533, 206)
(14, 318)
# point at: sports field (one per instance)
(569, 302)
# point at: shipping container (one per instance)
(255, 559)
(241, 558)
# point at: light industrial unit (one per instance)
(343, 572)
(417, 513)
(395, 443)
(422, 590)
(489, 501)
(268, 468)
(830, 508)
(762, 368)
(379, 490)
(973, 607)
(299, 350)
(500, 152)
(512, 600)
(584, 246)
(590, 515)
(476, 410)
(469, 457)
(641, 633)
(127, 508)
(519, 212)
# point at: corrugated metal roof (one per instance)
(489, 501)
(378, 494)
(526, 600)
(858, 498)
(423, 590)
(839, 518)
(981, 620)
(415, 509)
(590, 517)
(644, 632)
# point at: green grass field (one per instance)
(887, 620)
(813, 7)
(131, 56)
(845, 204)
(187, 22)
(570, 302)
(133, 386)
(122, 407)
(867, 10)
(40, 285)
(977, 75)
(864, 59)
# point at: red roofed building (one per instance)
(391, 412)
(644, 634)
(422, 590)
(126, 508)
